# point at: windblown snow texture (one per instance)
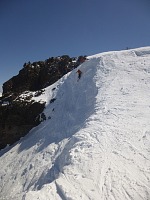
(95, 143)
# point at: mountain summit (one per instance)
(94, 142)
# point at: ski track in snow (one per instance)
(96, 146)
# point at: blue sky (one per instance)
(33, 30)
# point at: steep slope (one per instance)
(95, 142)
(19, 115)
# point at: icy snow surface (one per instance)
(95, 143)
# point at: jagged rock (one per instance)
(19, 115)
(38, 75)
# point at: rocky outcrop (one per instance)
(17, 116)
(17, 119)
(38, 75)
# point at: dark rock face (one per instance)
(17, 119)
(38, 75)
(17, 116)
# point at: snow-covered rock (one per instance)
(95, 143)
(1, 89)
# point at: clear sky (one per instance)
(33, 30)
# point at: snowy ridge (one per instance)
(95, 143)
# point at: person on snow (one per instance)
(79, 73)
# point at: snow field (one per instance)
(96, 144)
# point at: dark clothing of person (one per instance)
(79, 73)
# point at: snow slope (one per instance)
(95, 143)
